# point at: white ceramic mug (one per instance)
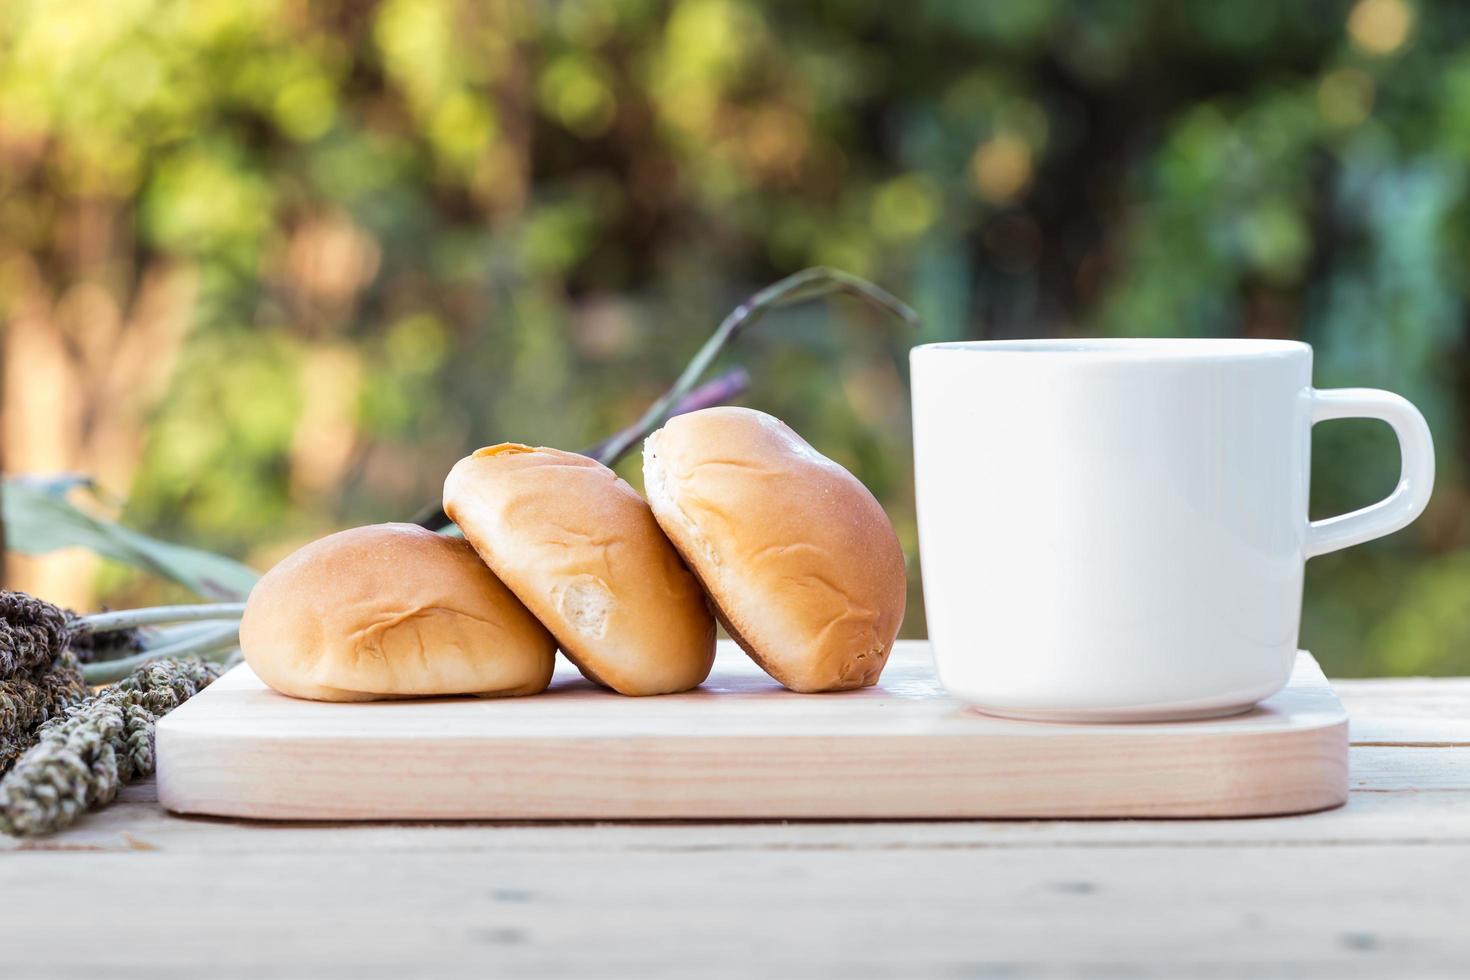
(1116, 530)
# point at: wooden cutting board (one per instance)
(739, 747)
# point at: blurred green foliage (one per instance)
(419, 226)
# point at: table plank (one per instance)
(1368, 818)
(1373, 889)
(1407, 711)
(1354, 910)
(1384, 769)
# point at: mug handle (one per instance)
(1416, 473)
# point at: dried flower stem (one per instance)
(804, 285)
(207, 644)
(727, 387)
(683, 396)
(156, 615)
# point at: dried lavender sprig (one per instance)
(206, 644)
(81, 758)
(155, 615)
(29, 700)
(803, 285)
(38, 676)
(33, 633)
(92, 647)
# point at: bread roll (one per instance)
(391, 611)
(581, 549)
(801, 563)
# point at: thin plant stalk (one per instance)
(683, 396)
(724, 388)
(156, 615)
(803, 285)
(206, 645)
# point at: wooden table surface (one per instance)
(1379, 888)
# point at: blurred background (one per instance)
(268, 269)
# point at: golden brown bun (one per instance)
(801, 562)
(581, 549)
(391, 611)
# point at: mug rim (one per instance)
(1129, 348)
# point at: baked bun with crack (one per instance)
(581, 549)
(801, 562)
(391, 611)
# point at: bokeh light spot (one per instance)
(905, 207)
(1345, 96)
(306, 107)
(1001, 167)
(1380, 26)
(461, 127)
(574, 92)
(417, 344)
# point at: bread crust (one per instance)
(582, 550)
(391, 611)
(799, 560)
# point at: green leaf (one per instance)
(40, 518)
